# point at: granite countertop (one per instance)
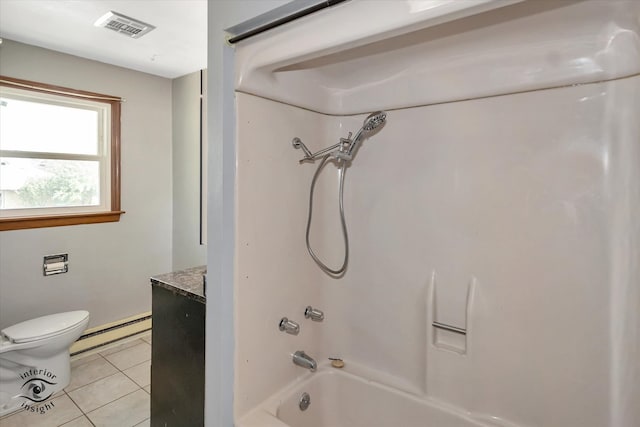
(189, 282)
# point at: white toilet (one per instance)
(34, 358)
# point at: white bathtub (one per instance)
(342, 399)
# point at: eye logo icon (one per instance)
(36, 389)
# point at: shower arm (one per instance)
(341, 150)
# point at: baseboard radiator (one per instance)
(102, 335)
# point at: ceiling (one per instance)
(177, 46)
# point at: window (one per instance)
(59, 156)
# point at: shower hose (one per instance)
(323, 266)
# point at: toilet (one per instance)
(34, 358)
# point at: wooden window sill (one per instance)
(21, 223)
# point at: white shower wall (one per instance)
(505, 191)
(513, 215)
(274, 276)
(517, 194)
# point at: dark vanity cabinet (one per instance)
(177, 354)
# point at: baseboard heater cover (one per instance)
(103, 335)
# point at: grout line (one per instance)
(88, 361)
(71, 391)
(136, 383)
(143, 421)
(121, 370)
(110, 375)
(126, 348)
(121, 397)
(86, 414)
(138, 364)
(74, 402)
(109, 362)
(111, 401)
(11, 414)
(70, 421)
(130, 347)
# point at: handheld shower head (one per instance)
(373, 121)
(342, 153)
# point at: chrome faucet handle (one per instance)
(313, 314)
(289, 326)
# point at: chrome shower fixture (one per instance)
(344, 149)
(301, 358)
(289, 326)
(343, 153)
(313, 314)
(373, 121)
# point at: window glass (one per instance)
(29, 183)
(39, 126)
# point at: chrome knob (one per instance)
(313, 314)
(289, 326)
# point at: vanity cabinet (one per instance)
(178, 349)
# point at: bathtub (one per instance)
(342, 399)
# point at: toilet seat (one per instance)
(44, 327)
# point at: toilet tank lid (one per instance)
(44, 327)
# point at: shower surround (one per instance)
(501, 197)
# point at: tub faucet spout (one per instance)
(301, 358)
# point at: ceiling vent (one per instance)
(124, 25)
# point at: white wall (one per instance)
(187, 250)
(109, 264)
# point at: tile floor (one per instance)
(110, 388)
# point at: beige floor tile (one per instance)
(9, 415)
(82, 359)
(114, 348)
(89, 372)
(57, 394)
(124, 412)
(131, 356)
(148, 389)
(53, 412)
(79, 422)
(147, 338)
(141, 373)
(145, 423)
(99, 393)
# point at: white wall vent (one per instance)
(124, 25)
